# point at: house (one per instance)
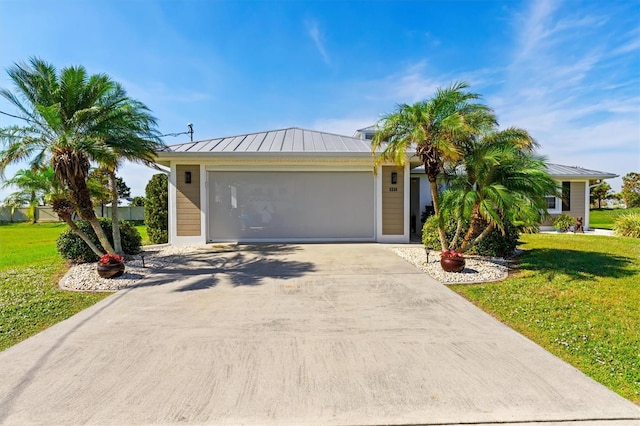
(301, 185)
(576, 184)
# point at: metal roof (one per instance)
(560, 171)
(292, 139)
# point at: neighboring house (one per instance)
(296, 185)
(576, 185)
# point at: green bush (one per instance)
(430, 237)
(156, 209)
(627, 225)
(563, 222)
(71, 247)
(495, 244)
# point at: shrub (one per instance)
(497, 245)
(71, 247)
(156, 209)
(430, 237)
(563, 222)
(494, 244)
(627, 225)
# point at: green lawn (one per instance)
(578, 296)
(142, 229)
(604, 218)
(30, 269)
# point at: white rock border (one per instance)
(477, 269)
(84, 277)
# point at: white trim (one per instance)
(587, 205)
(558, 209)
(204, 203)
(287, 168)
(407, 203)
(188, 241)
(172, 206)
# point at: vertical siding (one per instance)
(392, 202)
(577, 200)
(188, 201)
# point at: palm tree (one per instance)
(438, 129)
(499, 179)
(133, 137)
(33, 186)
(72, 119)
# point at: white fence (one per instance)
(46, 214)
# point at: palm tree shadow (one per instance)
(245, 265)
(578, 265)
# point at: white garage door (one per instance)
(250, 206)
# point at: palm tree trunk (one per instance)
(436, 209)
(481, 236)
(63, 209)
(473, 229)
(454, 241)
(85, 209)
(82, 235)
(115, 216)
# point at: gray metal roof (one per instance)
(284, 140)
(560, 171)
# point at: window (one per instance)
(368, 136)
(553, 205)
(557, 205)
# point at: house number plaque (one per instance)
(393, 189)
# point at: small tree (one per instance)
(99, 187)
(156, 209)
(138, 201)
(601, 192)
(631, 189)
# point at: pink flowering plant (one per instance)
(451, 254)
(111, 259)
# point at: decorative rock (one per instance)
(83, 277)
(477, 269)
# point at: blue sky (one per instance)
(567, 71)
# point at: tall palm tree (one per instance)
(133, 137)
(438, 129)
(72, 119)
(499, 179)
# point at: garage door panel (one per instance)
(291, 205)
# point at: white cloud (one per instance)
(316, 36)
(562, 84)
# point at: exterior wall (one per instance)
(188, 221)
(577, 200)
(393, 217)
(392, 204)
(579, 204)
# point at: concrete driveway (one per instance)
(293, 334)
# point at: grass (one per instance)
(578, 297)
(142, 229)
(30, 268)
(604, 218)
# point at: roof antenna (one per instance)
(189, 132)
